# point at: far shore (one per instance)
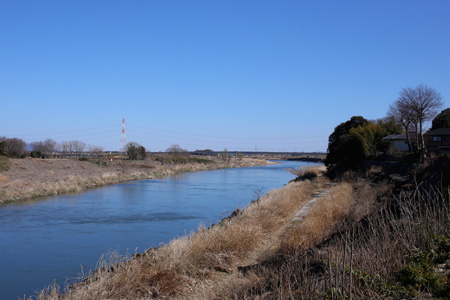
(34, 178)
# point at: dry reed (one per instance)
(360, 262)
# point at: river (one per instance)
(58, 237)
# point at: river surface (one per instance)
(58, 237)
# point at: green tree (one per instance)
(350, 151)
(373, 134)
(135, 151)
(442, 120)
(356, 140)
(340, 141)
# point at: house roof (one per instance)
(401, 136)
(439, 131)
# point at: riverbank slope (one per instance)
(32, 178)
(218, 262)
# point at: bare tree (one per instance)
(15, 147)
(43, 148)
(50, 146)
(37, 150)
(66, 148)
(78, 147)
(226, 156)
(417, 106)
(96, 151)
(176, 149)
(403, 117)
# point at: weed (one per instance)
(5, 163)
(423, 272)
(307, 176)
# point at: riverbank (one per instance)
(220, 262)
(33, 178)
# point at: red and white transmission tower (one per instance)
(123, 140)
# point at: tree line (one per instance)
(359, 139)
(18, 148)
(49, 148)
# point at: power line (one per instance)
(65, 132)
(227, 137)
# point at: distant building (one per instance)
(399, 141)
(438, 140)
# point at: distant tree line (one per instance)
(18, 148)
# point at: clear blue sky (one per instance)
(271, 75)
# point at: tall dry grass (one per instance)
(358, 262)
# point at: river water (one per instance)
(58, 237)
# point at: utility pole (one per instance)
(123, 139)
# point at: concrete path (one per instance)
(301, 214)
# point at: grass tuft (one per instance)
(5, 163)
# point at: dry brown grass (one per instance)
(323, 218)
(4, 178)
(360, 261)
(282, 274)
(314, 169)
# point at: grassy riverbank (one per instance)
(31, 178)
(383, 233)
(218, 262)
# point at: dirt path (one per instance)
(301, 214)
(270, 247)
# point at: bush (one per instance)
(181, 159)
(422, 273)
(5, 163)
(136, 151)
(309, 175)
(37, 154)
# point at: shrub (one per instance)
(422, 272)
(5, 163)
(181, 159)
(37, 154)
(309, 175)
(136, 151)
(3, 146)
